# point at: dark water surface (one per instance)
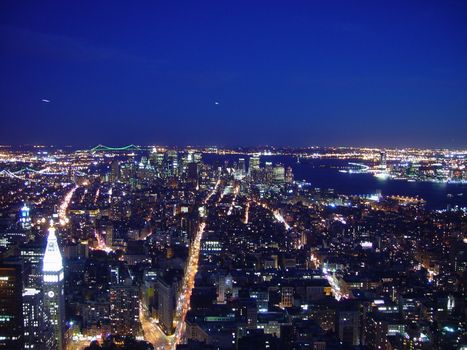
(324, 173)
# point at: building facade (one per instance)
(54, 299)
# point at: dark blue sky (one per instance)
(383, 73)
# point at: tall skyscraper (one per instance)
(115, 171)
(32, 255)
(54, 301)
(278, 174)
(193, 172)
(166, 297)
(382, 160)
(224, 287)
(197, 157)
(289, 175)
(157, 158)
(254, 163)
(37, 334)
(241, 166)
(268, 172)
(24, 218)
(11, 317)
(124, 303)
(172, 160)
(348, 323)
(109, 233)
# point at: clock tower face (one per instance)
(51, 294)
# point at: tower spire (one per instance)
(54, 302)
(52, 256)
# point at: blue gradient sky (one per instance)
(383, 73)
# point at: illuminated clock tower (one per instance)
(24, 218)
(54, 301)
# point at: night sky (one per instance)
(297, 73)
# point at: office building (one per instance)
(254, 163)
(278, 176)
(11, 317)
(37, 333)
(124, 303)
(25, 219)
(54, 300)
(166, 304)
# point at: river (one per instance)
(324, 173)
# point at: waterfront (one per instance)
(324, 174)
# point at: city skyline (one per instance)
(239, 149)
(289, 74)
(233, 175)
(215, 249)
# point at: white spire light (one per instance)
(52, 256)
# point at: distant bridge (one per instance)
(21, 174)
(14, 175)
(102, 148)
(45, 171)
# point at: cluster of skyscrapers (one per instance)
(33, 306)
(210, 249)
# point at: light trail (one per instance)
(63, 207)
(221, 197)
(247, 212)
(96, 197)
(78, 344)
(338, 292)
(278, 216)
(216, 186)
(183, 301)
(101, 243)
(332, 280)
(276, 213)
(236, 191)
(336, 289)
(153, 334)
